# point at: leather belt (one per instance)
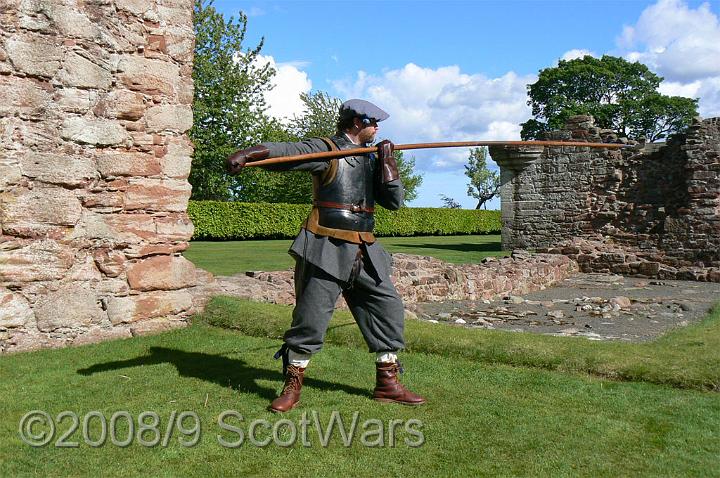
(347, 207)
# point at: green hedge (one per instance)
(216, 220)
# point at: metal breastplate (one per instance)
(352, 185)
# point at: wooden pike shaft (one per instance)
(450, 144)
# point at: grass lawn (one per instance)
(687, 357)
(500, 403)
(481, 419)
(231, 257)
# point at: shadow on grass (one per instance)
(221, 370)
(465, 247)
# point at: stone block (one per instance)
(16, 134)
(36, 58)
(176, 118)
(178, 3)
(71, 22)
(157, 195)
(142, 140)
(113, 286)
(78, 71)
(97, 132)
(31, 261)
(121, 163)
(612, 257)
(169, 15)
(121, 104)
(174, 227)
(136, 7)
(84, 269)
(71, 306)
(121, 310)
(24, 97)
(148, 305)
(34, 16)
(713, 275)
(25, 212)
(161, 273)
(116, 228)
(15, 310)
(75, 100)
(649, 269)
(156, 46)
(185, 91)
(137, 251)
(59, 169)
(105, 201)
(177, 161)
(10, 172)
(99, 334)
(148, 75)
(110, 262)
(180, 43)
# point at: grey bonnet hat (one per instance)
(363, 109)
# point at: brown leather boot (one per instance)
(389, 389)
(290, 395)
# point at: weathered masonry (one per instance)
(651, 210)
(96, 100)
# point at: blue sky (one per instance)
(457, 70)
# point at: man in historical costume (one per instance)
(336, 251)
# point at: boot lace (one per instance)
(292, 382)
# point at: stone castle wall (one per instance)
(94, 159)
(659, 203)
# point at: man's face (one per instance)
(367, 131)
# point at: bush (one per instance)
(217, 220)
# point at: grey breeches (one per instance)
(373, 302)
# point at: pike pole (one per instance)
(450, 144)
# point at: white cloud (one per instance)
(577, 53)
(255, 12)
(443, 104)
(289, 81)
(298, 64)
(681, 44)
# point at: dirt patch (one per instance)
(595, 306)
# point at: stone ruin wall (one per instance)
(94, 159)
(651, 210)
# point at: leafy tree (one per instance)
(620, 95)
(228, 106)
(319, 117)
(411, 182)
(449, 202)
(484, 183)
(656, 116)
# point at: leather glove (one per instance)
(236, 161)
(388, 165)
